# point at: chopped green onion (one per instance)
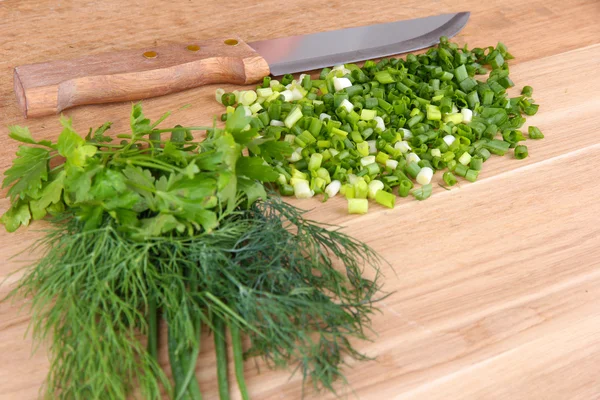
(476, 163)
(449, 178)
(219, 95)
(228, 99)
(377, 127)
(521, 152)
(358, 206)
(315, 161)
(404, 188)
(385, 199)
(527, 91)
(293, 117)
(413, 169)
(461, 170)
(423, 192)
(367, 115)
(535, 133)
(471, 175)
(465, 158)
(247, 97)
(497, 147)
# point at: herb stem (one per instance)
(176, 369)
(238, 359)
(221, 351)
(152, 328)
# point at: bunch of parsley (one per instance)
(184, 231)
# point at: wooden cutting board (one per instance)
(496, 283)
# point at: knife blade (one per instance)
(50, 87)
(324, 49)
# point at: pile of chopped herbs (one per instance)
(174, 229)
(377, 130)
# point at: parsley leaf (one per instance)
(72, 146)
(252, 189)
(28, 171)
(51, 193)
(99, 136)
(18, 214)
(138, 122)
(255, 168)
(22, 134)
(237, 121)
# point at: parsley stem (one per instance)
(152, 328)
(189, 359)
(174, 360)
(238, 358)
(221, 351)
(150, 165)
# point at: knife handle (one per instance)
(48, 88)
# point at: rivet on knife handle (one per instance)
(48, 88)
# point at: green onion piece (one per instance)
(465, 158)
(468, 84)
(382, 158)
(349, 191)
(306, 82)
(367, 115)
(476, 163)
(484, 154)
(423, 192)
(228, 99)
(449, 178)
(461, 170)
(293, 117)
(473, 99)
(461, 73)
(534, 133)
(373, 169)
(433, 113)
(315, 161)
(287, 79)
(286, 190)
(358, 206)
(404, 188)
(324, 73)
(527, 91)
(498, 147)
(521, 152)
(488, 97)
(413, 169)
(384, 77)
(471, 175)
(315, 126)
(386, 199)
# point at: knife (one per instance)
(48, 88)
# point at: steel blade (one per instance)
(324, 49)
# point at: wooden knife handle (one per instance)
(48, 88)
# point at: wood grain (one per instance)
(51, 87)
(496, 283)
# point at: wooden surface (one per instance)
(50, 87)
(497, 283)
